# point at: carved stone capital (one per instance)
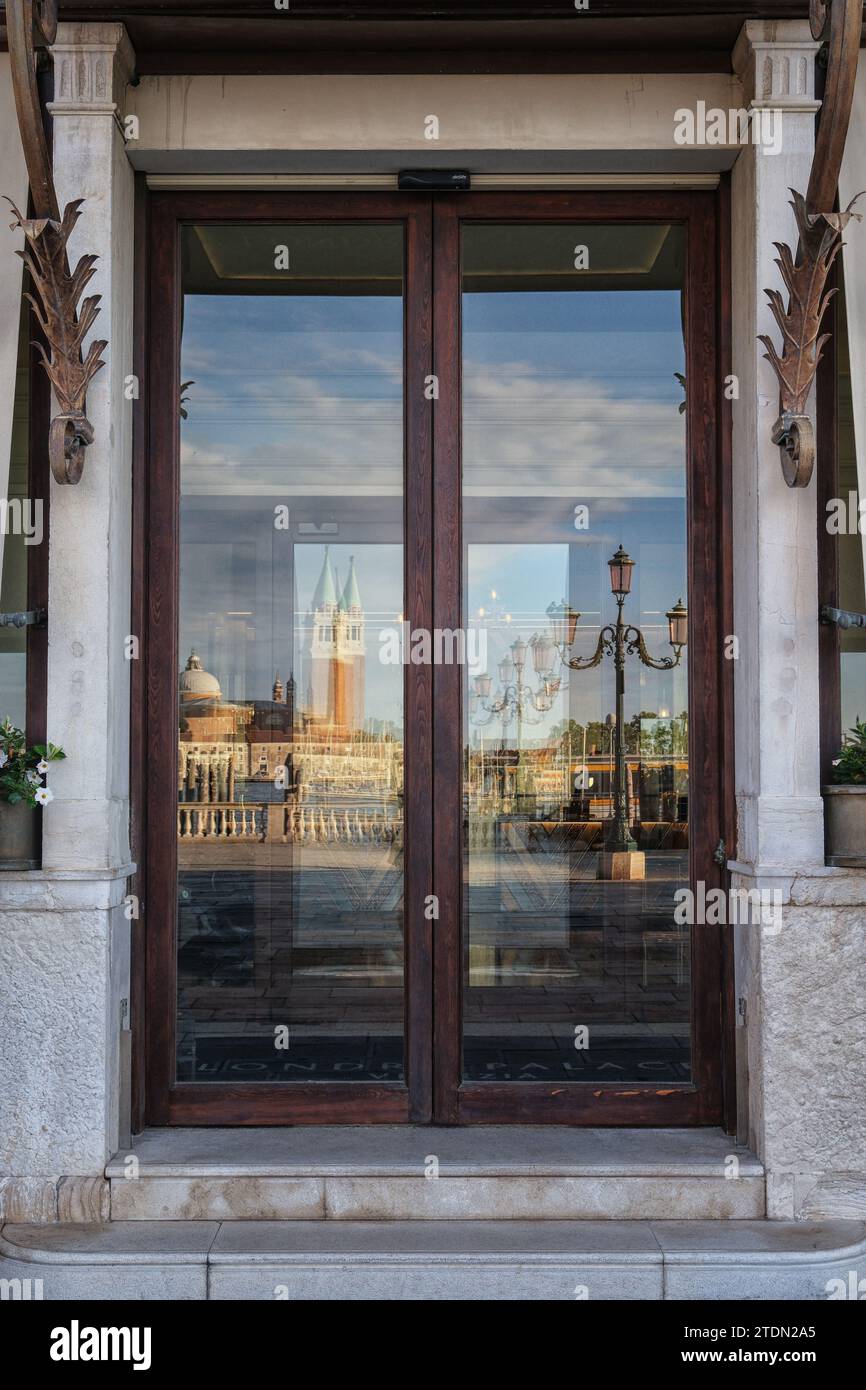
(776, 64)
(93, 64)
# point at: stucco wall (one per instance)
(279, 123)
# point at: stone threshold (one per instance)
(435, 1260)
(403, 1150)
(416, 1173)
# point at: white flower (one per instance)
(42, 766)
(43, 796)
(33, 778)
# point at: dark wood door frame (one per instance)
(702, 1101)
(433, 599)
(168, 1101)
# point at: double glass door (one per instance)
(434, 691)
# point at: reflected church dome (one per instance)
(197, 684)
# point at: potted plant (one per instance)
(845, 803)
(22, 792)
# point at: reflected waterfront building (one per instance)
(336, 779)
(290, 852)
(213, 751)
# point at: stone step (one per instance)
(386, 1173)
(436, 1260)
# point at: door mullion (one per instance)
(418, 808)
(447, 736)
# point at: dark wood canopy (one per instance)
(185, 36)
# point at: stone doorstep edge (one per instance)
(115, 1171)
(33, 1255)
(758, 1258)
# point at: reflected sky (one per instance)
(570, 398)
(293, 396)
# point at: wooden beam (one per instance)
(442, 12)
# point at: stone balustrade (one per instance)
(284, 824)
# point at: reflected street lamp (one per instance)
(619, 640)
(515, 697)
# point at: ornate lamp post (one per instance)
(618, 640)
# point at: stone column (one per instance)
(87, 825)
(780, 813)
(64, 936)
(799, 978)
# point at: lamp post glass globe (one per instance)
(542, 656)
(678, 624)
(563, 623)
(621, 566)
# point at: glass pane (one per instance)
(290, 749)
(574, 445)
(22, 527)
(852, 546)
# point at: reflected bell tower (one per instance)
(336, 651)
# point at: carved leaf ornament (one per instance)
(30, 25)
(65, 327)
(799, 323)
(805, 271)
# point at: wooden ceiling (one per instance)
(194, 36)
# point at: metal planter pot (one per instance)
(19, 836)
(845, 826)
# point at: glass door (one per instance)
(585, 564)
(433, 689)
(289, 956)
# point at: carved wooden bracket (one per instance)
(820, 240)
(31, 25)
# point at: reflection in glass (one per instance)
(574, 454)
(22, 528)
(852, 545)
(290, 747)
